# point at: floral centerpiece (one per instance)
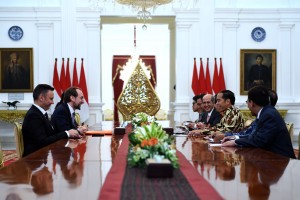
(141, 119)
(149, 140)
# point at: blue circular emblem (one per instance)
(258, 34)
(15, 33)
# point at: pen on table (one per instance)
(227, 139)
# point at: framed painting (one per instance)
(257, 67)
(16, 69)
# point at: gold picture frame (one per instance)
(254, 74)
(16, 70)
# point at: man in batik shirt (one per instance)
(232, 120)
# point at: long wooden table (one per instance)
(79, 170)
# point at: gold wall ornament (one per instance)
(12, 115)
(138, 96)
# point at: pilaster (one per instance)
(284, 73)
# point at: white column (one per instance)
(93, 69)
(182, 74)
(284, 73)
(183, 64)
(68, 29)
(230, 56)
(43, 55)
(172, 73)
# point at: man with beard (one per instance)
(63, 117)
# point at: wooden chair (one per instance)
(19, 139)
(108, 115)
(299, 146)
(290, 128)
(161, 115)
(248, 123)
(1, 155)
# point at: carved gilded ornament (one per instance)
(138, 95)
(247, 114)
(12, 115)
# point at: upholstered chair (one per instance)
(19, 139)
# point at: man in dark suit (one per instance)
(271, 133)
(63, 117)
(37, 129)
(211, 116)
(197, 107)
(251, 128)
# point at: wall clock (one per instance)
(15, 33)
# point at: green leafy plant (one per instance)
(151, 141)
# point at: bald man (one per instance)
(211, 116)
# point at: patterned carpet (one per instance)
(9, 156)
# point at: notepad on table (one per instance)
(103, 132)
(214, 144)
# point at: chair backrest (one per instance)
(19, 139)
(108, 115)
(290, 128)
(299, 146)
(248, 122)
(1, 155)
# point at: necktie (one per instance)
(200, 117)
(73, 119)
(46, 115)
(207, 119)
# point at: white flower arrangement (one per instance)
(141, 119)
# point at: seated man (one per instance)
(270, 133)
(37, 130)
(232, 119)
(249, 130)
(63, 117)
(211, 116)
(197, 107)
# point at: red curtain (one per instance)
(150, 60)
(118, 62)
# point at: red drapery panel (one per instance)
(118, 62)
(150, 60)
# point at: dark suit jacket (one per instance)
(270, 134)
(61, 118)
(215, 118)
(37, 131)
